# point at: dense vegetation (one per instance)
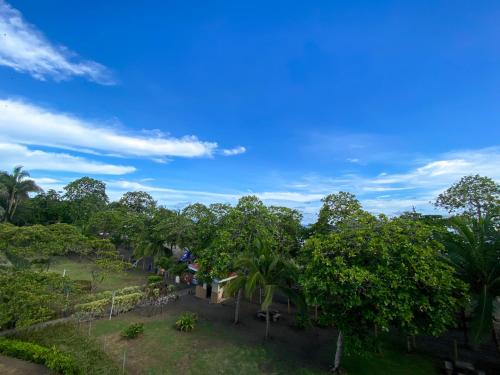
(362, 274)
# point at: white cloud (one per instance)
(25, 123)
(15, 154)
(25, 49)
(234, 151)
(416, 187)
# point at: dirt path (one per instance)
(13, 366)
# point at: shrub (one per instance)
(186, 322)
(155, 279)
(91, 309)
(126, 302)
(127, 290)
(301, 321)
(50, 357)
(133, 330)
(170, 288)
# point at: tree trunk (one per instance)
(464, 327)
(267, 323)
(338, 352)
(495, 338)
(237, 308)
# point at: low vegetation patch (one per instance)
(186, 322)
(51, 358)
(87, 353)
(133, 330)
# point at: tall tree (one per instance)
(473, 195)
(336, 207)
(138, 201)
(264, 269)
(16, 186)
(85, 197)
(373, 273)
(474, 251)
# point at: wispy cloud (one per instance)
(234, 151)
(15, 154)
(25, 123)
(25, 49)
(393, 193)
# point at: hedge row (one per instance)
(51, 358)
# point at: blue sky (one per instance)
(208, 101)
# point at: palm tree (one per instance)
(16, 187)
(474, 252)
(263, 269)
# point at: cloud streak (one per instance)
(15, 154)
(28, 124)
(234, 151)
(25, 49)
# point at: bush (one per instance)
(92, 309)
(50, 357)
(301, 321)
(155, 279)
(126, 302)
(186, 322)
(133, 330)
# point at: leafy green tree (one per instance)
(85, 197)
(28, 297)
(474, 195)
(287, 229)
(48, 208)
(370, 274)
(16, 186)
(473, 249)
(336, 207)
(139, 202)
(263, 269)
(203, 225)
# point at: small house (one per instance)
(211, 291)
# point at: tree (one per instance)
(16, 187)
(287, 229)
(139, 202)
(473, 195)
(336, 207)
(85, 197)
(48, 208)
(265, 269)
(473, 249)
(373, 273)
(28, 297)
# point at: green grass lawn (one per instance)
(78, 269)
(212, 350)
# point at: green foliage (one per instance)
(16, 188)
(36, 243)
(374, 272)
(91, 310)
(473, 249)
(127, 302)
(335, 209)
(139, 202)
(53, 359)
(133, 330)
(475, 196)
(29, 297)
(154, 279)
(68, 338)
(85, 196)
(186, 322)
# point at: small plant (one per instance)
(154, 279)
(133, 330)
(301, 321)
(170, 288)
(186, 322)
